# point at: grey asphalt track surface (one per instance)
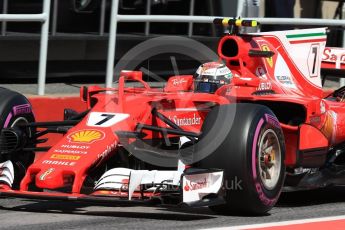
(28, 214)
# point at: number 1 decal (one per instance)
(99, 119)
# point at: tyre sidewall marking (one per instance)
(8, 120)
(13, 113)
(266, 121)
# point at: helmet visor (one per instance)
(206, 87)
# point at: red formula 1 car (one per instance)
(231, 137)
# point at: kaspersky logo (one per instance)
(86, 136)
(270, 59)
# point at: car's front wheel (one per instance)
(251, 154)
(15, 110)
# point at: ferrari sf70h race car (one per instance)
(231, 137)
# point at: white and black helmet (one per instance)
(211, 76)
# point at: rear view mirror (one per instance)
(132, 75)
(84, 93)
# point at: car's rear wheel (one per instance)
(251, 154)
(15, 110)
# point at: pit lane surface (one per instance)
(27, 214)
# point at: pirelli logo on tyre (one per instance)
(65, 157)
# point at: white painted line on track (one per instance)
(280, 223)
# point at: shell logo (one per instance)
(328, 127)
(86, 136)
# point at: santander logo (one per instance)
(333, 55)
(191, 186)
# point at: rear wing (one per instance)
(333, 62)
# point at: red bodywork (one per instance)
(311, 123)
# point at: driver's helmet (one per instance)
(211, 76)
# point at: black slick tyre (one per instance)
(15, 109)
(251, 153)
